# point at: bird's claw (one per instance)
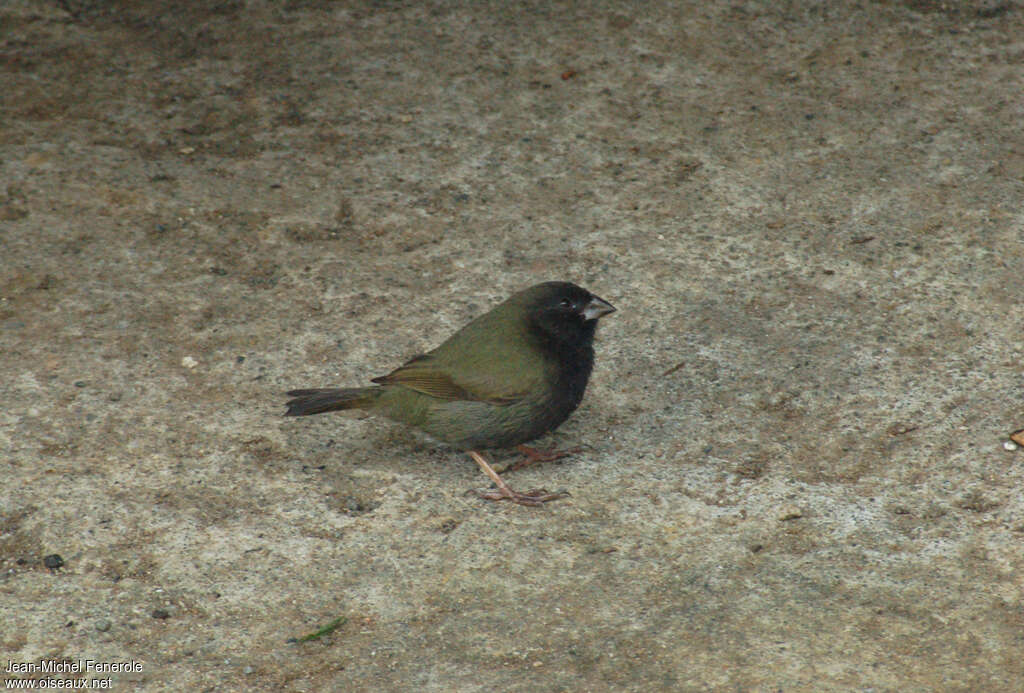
(532, 456)
(535, 497)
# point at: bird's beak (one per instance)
(597, 307)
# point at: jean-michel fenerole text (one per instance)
(71, 666)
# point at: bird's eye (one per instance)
(565, 303)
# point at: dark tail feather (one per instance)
(318, 401)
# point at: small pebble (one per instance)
(53, 561)
(103, 626)
(189, 362)
(1009, 445)
(790, 512)
(161, 614)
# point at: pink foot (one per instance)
(532, 456)
(538, 496)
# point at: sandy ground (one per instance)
(797, 474)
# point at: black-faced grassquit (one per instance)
(509, 376)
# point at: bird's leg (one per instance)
(503, 492)
(533, 456)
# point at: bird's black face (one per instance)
(568, 314)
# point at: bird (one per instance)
(511, 375)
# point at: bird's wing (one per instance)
(433, 377)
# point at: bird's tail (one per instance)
(306, 402)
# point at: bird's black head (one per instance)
(564, 314)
